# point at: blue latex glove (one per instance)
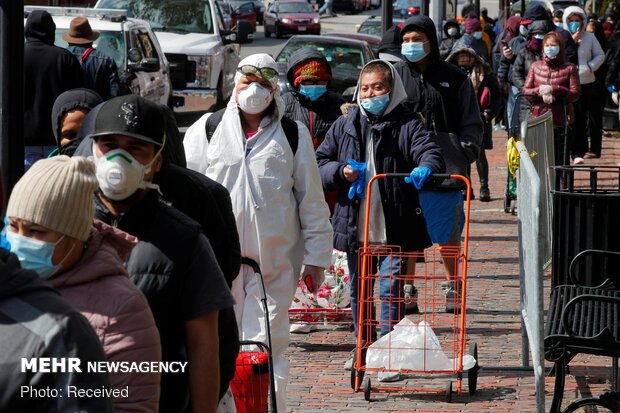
(419, 176)
(357, 186)
(4, 243)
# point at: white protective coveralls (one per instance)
(280, 209)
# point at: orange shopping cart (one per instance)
(433, 340)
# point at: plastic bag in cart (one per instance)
(412, 347)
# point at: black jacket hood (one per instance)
(69, 100)
(40, 26)
(301, 55)
(14, 280)
(536, 12)
(425, 25)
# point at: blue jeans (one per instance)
(326, 6)
(34, 153)
(390, 287)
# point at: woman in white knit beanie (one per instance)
(51, 230)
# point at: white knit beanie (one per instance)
(57, 193)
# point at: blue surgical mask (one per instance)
(558, 24)
(312, 92)
(551, 51)
(574, 26)
(413, 51)
(375, 104)
(33, 254)
(539, 36)
(478, 35)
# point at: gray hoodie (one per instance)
(591, 55)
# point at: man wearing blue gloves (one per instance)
(380, 134)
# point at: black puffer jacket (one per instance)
(521, 67)
(174, 266)
(48, 71)
(318, 116)
(443, 94)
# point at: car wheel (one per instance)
(278, 32)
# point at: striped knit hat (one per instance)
(314, 69)
(57, 193)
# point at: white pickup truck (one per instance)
(202, 52)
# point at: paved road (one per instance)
(342, 23)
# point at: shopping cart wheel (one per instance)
(507, 203)
(472, 374)
(355, 373)
(367, 389)
(449, 392)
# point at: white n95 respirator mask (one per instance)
(254, 99)
(120, 175)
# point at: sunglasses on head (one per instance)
(266, 73)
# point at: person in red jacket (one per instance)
(552, 84)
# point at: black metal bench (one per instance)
(583, 319)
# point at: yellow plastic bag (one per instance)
(512, 156)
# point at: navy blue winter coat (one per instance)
(402, 143)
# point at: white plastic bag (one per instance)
(412, 347)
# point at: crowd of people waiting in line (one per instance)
(123, 241)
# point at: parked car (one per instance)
(407, 8)
(372, 40)
(290, 17)
(353, 6)
(257, 6)
(201, 50)
(241, 10)
(346, 58)
(372, 25)
(130, 42)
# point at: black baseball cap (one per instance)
(133, 116)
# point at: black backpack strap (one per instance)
(291, 132)
(212, 122)
(288, 125)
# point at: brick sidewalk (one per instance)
(319, 383)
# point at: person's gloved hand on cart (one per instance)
(419, 176)
(313, 277)
(355, 172)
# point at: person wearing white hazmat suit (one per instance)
(277, 197)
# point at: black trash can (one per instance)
(586, 215)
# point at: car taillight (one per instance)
(413, 10)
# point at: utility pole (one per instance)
(387, 13)
(11, 93)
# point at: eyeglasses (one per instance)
(266, 73)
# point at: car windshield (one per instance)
(184, 16)
(294, 8)
(338, 56)
(111, 44)
(225, 7)
(371, 27)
